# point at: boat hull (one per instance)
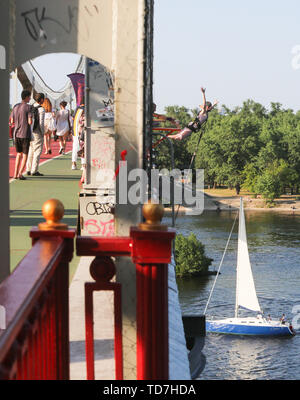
(248, 327)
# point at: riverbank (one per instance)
(226, 200)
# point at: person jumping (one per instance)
(195, 126)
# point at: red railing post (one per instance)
(151, 252)
(35, 343)
(150, 247)
(56, 330)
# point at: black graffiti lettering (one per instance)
(107, 103)
(30, 25)
(95, 208)
(31, 29)
(35, 23)
(88, 11)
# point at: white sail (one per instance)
(245, 290)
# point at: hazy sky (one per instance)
(53, 68)
(236, 49)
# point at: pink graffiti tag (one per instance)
(97, 163)
(95, 227)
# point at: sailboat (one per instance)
(246, 297)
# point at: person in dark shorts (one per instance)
(21, 116)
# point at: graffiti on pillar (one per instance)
(97, 214)
(102, 161)
(108, 103)
(104, 152)
(90, 12)
(36, 19)
(96, 208)
(101, 228)
(101, 95)
(2, 57)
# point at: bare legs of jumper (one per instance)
(184, 133)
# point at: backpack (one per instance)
(36, 117)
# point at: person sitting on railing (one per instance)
(195, 126)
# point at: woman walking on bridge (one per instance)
(49, 125)
(63, 126)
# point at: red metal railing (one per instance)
(35, 343)
(150, 250)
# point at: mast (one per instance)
(236, 310)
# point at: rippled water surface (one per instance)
(274, 247)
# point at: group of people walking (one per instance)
(33, 127)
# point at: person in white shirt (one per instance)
(63, 125)
(36, 144)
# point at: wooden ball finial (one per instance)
(153, 214)
(53, 211)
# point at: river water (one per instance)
(274, 248)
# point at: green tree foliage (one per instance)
(247, 147)
(190, 256)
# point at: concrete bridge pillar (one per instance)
(113, 33)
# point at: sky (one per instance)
(236, 49)
(53, 68)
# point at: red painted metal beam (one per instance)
(167, 129)
(151, 251)
(113, 246)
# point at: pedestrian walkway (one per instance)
(44, 157)
(103, 327)
(27, 198)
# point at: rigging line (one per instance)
(218, 272)
(66, 86)
(192, 160)
(61, 91)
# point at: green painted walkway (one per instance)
(27, 198)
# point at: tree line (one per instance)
(247, 147)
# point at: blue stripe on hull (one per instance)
(233, 329)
